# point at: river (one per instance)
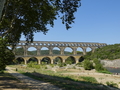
(113, 70)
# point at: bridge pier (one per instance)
(39, 61)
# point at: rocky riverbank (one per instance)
(111, 63)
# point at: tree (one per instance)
(2, 2)
(31, 16)
(88, 65)
(6, 55)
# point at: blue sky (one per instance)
(96, 21)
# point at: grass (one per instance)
(68, 82)
(106, 72)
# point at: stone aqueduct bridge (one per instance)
(61, 45)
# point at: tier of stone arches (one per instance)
(51, 50)
(61, 45)
(55, 43)
(39, 59)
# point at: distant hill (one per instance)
(110, 52)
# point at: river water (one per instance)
(113, 70)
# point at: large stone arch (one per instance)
(70, 60)
(46, 60)
(32, 50)
(79, 51)
(33, 59)
(19, 50)
(19, 60)
(45, 50)
(68, 50)
(81, 59)
(57, 60)
(88, 49)
(56, 50)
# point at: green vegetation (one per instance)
(98, 65)
(110, 52)
(88, 65)
(89, 79)
(112, 84)
(6, 55)
(26, 17)
(67, 82)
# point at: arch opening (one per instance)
(57, 60)
(70, 60)
(88, 49)
(81, 59)
(79, 51)
(56, 51)
(32, 51)
(46, 60)
(19, 60)
(68, 51)
(44, 51)
(33, 60)
(19, 51)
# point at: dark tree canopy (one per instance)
(31, 16)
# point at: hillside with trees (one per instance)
(109, 52)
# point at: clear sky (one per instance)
(96, 21)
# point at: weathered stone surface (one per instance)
(111, 63)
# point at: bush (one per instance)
(98, 65)
(88, 65)
(62, 64)
(112, 84)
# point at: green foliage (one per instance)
(110, 52)
(80, 64)
(70, 60)
(98, 65)
(62, 64)
(31, 16)
(6, 55)
(89, 79)
(33, 65)
(87, 65)
(112, 84)
(105, 71)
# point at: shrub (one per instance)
(62, 64)
(88, 65)
(112, 84)
(98, 65)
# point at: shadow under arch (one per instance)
(57, 60)
(19, 60)
(70, 60)
(81, 59)
(33, 59)
(46, 60)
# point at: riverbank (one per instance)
(76, 74)
(111, 63)
(100, 77)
